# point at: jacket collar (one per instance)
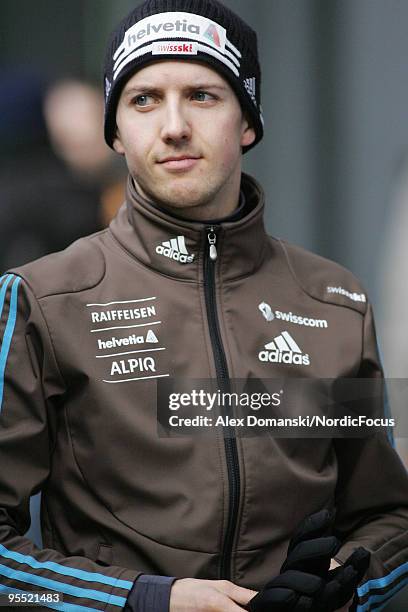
(176, 247)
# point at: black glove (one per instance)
(288, 592)
(312, 545)
(341, 583)
(305, 582)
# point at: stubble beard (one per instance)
(181, 198)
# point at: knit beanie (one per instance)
(199, 30)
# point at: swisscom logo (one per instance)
(175, 249)
(290, 317)
(284, 349)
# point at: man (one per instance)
(181, 285)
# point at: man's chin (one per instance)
(183, 196)
(181, 203)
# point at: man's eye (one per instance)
(203, 96)
(142, 100)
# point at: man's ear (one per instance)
(248, 134)
(117, 143)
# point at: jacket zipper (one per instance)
(230, 444)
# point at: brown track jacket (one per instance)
(85, 335)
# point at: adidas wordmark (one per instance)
(176, 249)
(283, 349)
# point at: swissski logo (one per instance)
(284, 349)
(352, 295)
(174, 47)
(175, 249)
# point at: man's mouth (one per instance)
(179, 162)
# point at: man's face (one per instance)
(181, 129)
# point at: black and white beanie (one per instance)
(201, 30)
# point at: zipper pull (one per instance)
(212, 238)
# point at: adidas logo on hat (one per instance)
(176, 249)
(283, 349)
(250, 86)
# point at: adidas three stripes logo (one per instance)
(175, 249)
(284, 349)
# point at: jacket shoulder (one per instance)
(324, 279)
(79, 267)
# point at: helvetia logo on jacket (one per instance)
(283, 349)
(176, 249)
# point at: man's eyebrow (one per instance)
(155, 88)
(209, 85)
(139, 88)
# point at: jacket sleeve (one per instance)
(29, 380)
(372, 499)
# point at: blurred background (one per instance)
(333, 162)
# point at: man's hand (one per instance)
(307, 580)
(345, 608)
(193, 595)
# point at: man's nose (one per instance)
(176, 125)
